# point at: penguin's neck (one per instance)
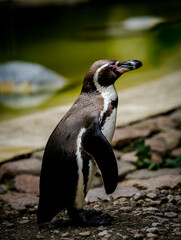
(108, 94)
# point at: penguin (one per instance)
(80, 145)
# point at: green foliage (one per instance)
(143, 154)
(176, 163)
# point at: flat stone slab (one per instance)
(97, 194)
(29, 133)
(161, 182)
(25, 166)
(145, 173)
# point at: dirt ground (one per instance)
(144, 218)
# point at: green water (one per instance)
(68, 39)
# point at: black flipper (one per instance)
(96, 145)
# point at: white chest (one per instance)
(109, 95)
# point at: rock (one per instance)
(150, 209)
(152, 236)
(129, 157)
(145, 173)
(165, 141)
(152, 195)
(25, 166)
(85, 234)
(176, 117)
(38, 154)
(125, 168)
(24, 221)
(9, 197)
(152, 230)
(103, 233)
(121, 191)
(127, 134)
(126, 209)
(27, 183)
(138, 195)
(29, 84)
(176, 152)
(170, 214)
(156, 224)
(138, 236)
(159, 123)
(24, 202)
(169, 207)
(166, 181)
(2, 190)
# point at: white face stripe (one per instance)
(79, 197)
(108, 93)
(96, 75)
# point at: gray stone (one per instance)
(10, 197)
(150, 209)
(176, 152)
(125, 168)
(23, 79)
(138, 236)
(24, 202)
(166, 181)
(103, 233)
(152, 195)
(176, 116)
(165, 141)
(38, 154)
(169, 207)
(156, 224)
(27, 183)
(127, 134)
(152, 230)
(121, 191)
(24, 221)
(145, 173)
(129, 157)
(138, 195)
(152, 236)
(85, 234)
(25, 166)
(170, 214)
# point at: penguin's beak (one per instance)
(122, 67)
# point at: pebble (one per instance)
(138, 196)
(138, 236)
(84, 234)
(152, 230)
(2, 190)
(65, 234)
(152, 235)
(24, 221)
(152, 195)
(10, 225)
(156, 224)
(170, 214)
(103, 233)
(150, 209)
(56, 231)
(109, 199)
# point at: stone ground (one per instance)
(145, 205)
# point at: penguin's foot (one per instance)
(88, 218)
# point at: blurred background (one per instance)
(46, 47)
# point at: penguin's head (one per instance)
(106, 72)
